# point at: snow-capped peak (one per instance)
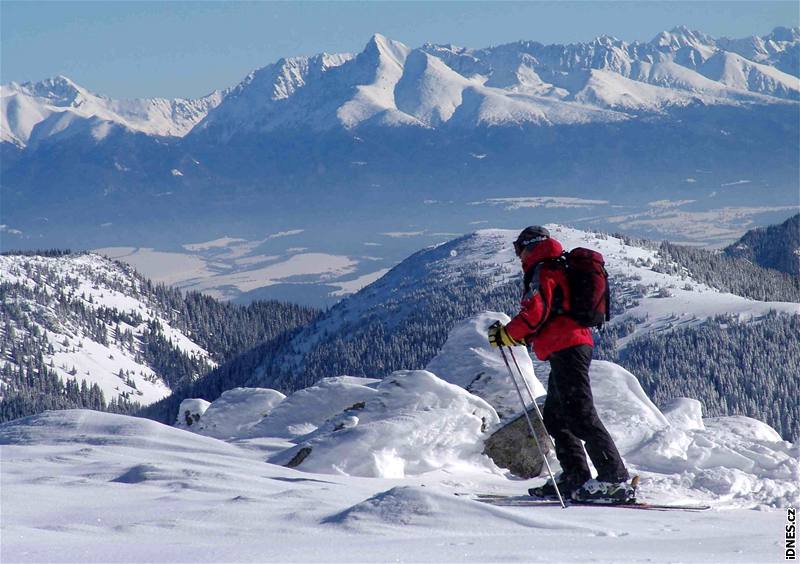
(58, 90)
(681, 36)
(28, 105)
(382, 46)
(784, 34)
(488, 254)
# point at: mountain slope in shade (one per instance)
(776, 246)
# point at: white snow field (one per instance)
(379, 484)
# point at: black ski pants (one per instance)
(570, 417)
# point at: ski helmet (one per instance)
(530, 236)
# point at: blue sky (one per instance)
(187, 49)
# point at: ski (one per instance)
(527, 501)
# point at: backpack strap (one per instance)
(532, 281)
(558, 294)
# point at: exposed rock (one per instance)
(298, 458)
(513, 447)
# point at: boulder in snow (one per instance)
(513, 447)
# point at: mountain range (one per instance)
(391, 84)
(685, 137)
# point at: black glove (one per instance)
(499, 337)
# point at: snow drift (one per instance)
(468, 361)
(236, 411)
(414, 423)
(190, 412)
(305, 410)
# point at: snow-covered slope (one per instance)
(82, 486)
(377, 483)
(34, 111)
(482, 262)
(85, 315)
(264, 93)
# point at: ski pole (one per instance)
(530, 425)
(533, 399)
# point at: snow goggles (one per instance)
(521, 244)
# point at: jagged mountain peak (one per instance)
(786, 34)
(390, 47)
(681, 36)
(392, 84)
(376, 84)
(29, 110)
(59, 90)
(608, 41)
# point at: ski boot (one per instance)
(548, 490)
(595, 491)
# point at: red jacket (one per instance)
(533, 324)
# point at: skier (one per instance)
(569, 413)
